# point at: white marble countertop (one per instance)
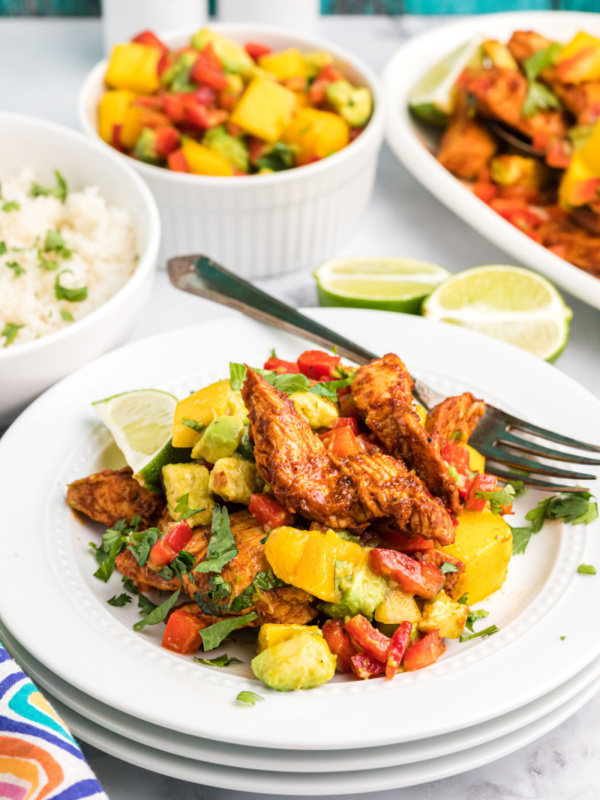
(44, 62)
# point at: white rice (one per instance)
(101, 237)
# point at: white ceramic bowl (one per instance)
(262, 225)
(27, 369)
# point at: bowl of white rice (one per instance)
(79, 239)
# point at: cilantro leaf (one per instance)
(119, 601)
(267, 581)
(3, 248)
(159, 613)
(244, 600)
(16, 267)
(521, 537)
(72, 295)
(107, 567)
(473, 616)
(183, 509)
(181, 564)
(48, 265)
(237, 375)
(215, 634)
(219, 661)
(67, 316)
(273, 353)
(191, 423)
(146, 606)
(281, 156)
(10, 331)
(574, 509)
(129, 585)
(586, 569)
(498, 499)
(249, 698)
(448, 567)
(141, 542)
(487, 632)
(541, 59)
(55, 242)
(539, 98)
(329, 389)
(289, 382)
(463, 600)
(60, 190)
(11, 205)
(221, 547)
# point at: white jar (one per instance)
(123, 19)
(300, 15)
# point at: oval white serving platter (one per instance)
(413, 142)
(77, 635)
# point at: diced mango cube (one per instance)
(204, 161)
(476, 460)
(216, 400)
(134, 66)
(271, 633)
(285, 64)
(579, 60)
(111, 112)
(397, 607)
(265, 110)
(445, 615)
(484, 544)
(316, 134)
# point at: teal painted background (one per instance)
(84, 8)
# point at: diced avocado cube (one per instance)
(178, 76)
(446, 614)
(318, 411)
(191, 479)
(361, 591)
(235, 480)
(220, 439)
(232, 55)
(272, 633)
(397, 607)
(145, 147)
(302, 662)
(355, 104)
(230, 147)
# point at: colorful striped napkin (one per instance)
(39, 759)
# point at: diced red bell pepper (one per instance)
(255, 50)
(179, 536)
(329, 74)
(177, 161)
(147, 101)
(202, 117)
(584, 192)
(150, 40)
(169, 545)
(347, 422)
(397, 649)
(161, 555)
(355, 133)
(174, 105)
(206, 97)
(268, 512)
(280, 366)
(339, 643)
(424, 653)
(167, 140)
(182, 634)
(484, 191)
(406, 544)
(413, 577)
(256, 148)
(559, 153)
(208, 70)
(365, 666)
(372, 641)
(149, 118)
(348, 407)
(342, 442)
(481, 483)
(457, 455)
(317, 364)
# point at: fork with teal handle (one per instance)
(498, 435)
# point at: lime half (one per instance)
(141, 423)
(433, 98)
(389, 284)
(508, 303)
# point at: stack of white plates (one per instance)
(120, 691)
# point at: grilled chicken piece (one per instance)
(382, 391)
(335, 492)
(114, 494)
(437, 558)
(523, 44)
(573, 243)
(286, 604)
(466, 146)
(455, 414)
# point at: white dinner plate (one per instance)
(321, 783)
(258, 758)
(412, 141)
(65, 623)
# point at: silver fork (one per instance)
(496, 435)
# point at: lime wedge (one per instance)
(433, 98)
(141, 423)
(389, 284)
(508, 303)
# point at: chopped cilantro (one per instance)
(183, 509)
(448, 567)
(539, 98)
(159, 613)
(280, 156)
(113, 541)
(129, 585)
(60, 190)
(272, 353)
(16, 267)
(54, 242)
(219, 661)
(3, 248)
(146, 606)
(463, 600)
(141, 542)
(181, 564)
(193, 424)
(47, 264)
(119, 601)
(215, 634)
(541, 59)
(562, 638)
(586, 569)
(237, 375)
(10, 205)
(249, 698)
(498, 499)
(10, 331)
(221, 547)
(487, 632)
(473, 616)
(72, 295)
(574, 509)
(67, 316)
(289, 382)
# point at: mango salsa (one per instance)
(285, 64)
(204, 161)
(265, 109)
(216, 400)
(579, 61)
(134, 66)
(316, 134)
(484, 544)
(272, 633)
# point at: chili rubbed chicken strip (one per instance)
(338, 492)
